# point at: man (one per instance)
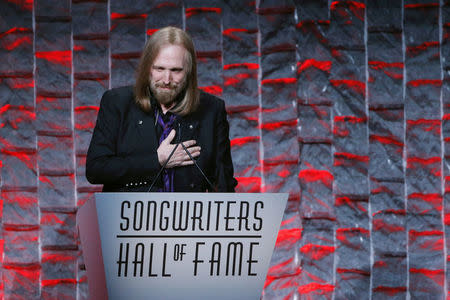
(152, 133)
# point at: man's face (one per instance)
(168, 74)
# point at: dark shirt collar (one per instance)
(166, 116)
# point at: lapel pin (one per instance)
(140, 122)
(191, 127)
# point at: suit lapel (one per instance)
(145, 124)
(146, 128)
(189, 128)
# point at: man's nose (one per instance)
(167, 77)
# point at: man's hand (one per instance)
(179, 157)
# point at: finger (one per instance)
(180, 153)
(194, 149)
(195, 153)
(187, 163)
(170, 137)
(189, 143)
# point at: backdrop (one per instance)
(343, 104)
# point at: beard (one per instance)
(166, 94)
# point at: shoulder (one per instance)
(210, 102)
(120, 97)
(120, 93)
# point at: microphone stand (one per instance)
(190, 157)
(162, 168)
(198, 167)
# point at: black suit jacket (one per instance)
(122, 154)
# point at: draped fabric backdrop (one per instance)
(343, 104)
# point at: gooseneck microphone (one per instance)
(193, 160)
(198, 167)
(190, 157)
(162, 168)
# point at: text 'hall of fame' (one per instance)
(217, 238)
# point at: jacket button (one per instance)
(192, 185)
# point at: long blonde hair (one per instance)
(167, 36)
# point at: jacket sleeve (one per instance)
(103, 163)
(225, 182)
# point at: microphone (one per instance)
(198, 167)
(193, 160)
(162, 168)
(171, 153)
(190, 157)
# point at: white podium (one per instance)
(179, 245)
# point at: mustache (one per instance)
(167, 86)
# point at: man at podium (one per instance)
(163, 134)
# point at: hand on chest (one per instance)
(140, 134)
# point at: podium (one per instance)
(179, 245)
